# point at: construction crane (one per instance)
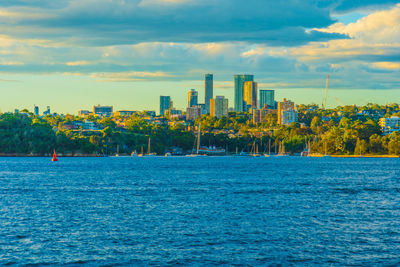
(326, 93)
(339, 102)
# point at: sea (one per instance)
(200, 211)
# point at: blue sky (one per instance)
(72, 54)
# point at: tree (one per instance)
(361, 147)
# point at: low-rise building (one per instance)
(287, 112)
(193, 113)
(260, 114)
(390, 125)
(289, 116)
(83, 113)
(104, 111)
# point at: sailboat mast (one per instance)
(269, 147)
(149, 148)
(198, 141)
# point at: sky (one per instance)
(73, 54)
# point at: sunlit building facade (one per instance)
(239, 82)
(192, 98)
(250, 95)
(219, 107)
(287, 112)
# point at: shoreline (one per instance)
(17, 155)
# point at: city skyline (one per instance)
(289, 48)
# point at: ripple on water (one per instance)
(199, 211)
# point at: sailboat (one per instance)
(54, 156)
(269, 149)
(326, 155)
(254, 150)
(281, 149)
(149, 154)
(307, 150)
(117, 154)
(197, 145)
(141, 152)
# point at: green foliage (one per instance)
(343, 130)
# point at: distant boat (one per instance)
(117, 154)
(134, 154)
(269, 149)
(282, 152)
(197, 140)
(149, 154)
(54, 156)
(254, 150)
(211, 150)
(168, 154)
(141, 152)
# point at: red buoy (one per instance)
(54, 156)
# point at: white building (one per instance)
(390, 125)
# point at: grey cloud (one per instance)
(104, 22)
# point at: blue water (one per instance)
(200, 211)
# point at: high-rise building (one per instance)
(192, 98)
(192, 113)
(36, 110)
(47, 112)
(267, 97)
(209, 91)
(219, 107)
(287, 112)
(105, 111)
(249, 95)
(239, 81)
(165, 104)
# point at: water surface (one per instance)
(200, 211)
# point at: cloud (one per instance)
(79, 63)
(375, 37)
(105, 22)
(387, 65)
(127, 76)
(285, 45)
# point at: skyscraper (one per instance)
(165, 104)
(192, 98)
(209, 90)
(267, 97)
(219, 107)
(239, 80)
(36, 110)
(249, 95)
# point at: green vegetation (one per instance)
(348, 130)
